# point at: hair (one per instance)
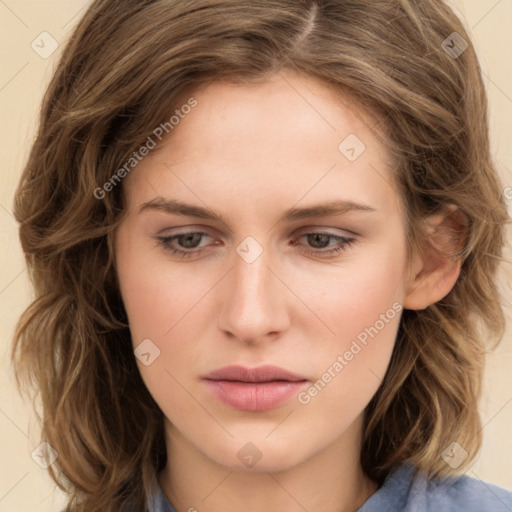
(122, 71)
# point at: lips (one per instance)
(266, 373)
(254, 389)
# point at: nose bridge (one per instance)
(253, 305)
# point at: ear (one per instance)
(436, 269)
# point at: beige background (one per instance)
(24, 485)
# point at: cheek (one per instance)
(170, 305)
(163, 304)
(156, 294)
(354, 295)
(351, 366)
(361, 304)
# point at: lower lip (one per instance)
(255, 397)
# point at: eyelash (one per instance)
(346, 242)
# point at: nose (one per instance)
(254, 301)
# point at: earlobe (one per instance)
(436, 270)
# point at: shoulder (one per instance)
(463, 493)
(406, 490)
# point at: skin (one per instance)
(250, 153)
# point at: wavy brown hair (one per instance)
(120, 74)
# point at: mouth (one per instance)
(254, 389)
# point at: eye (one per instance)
(321, 243)
(187, 243)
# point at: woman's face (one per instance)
(265, 231)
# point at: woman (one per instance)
(264, 240)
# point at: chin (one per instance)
(259, 456)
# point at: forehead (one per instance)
(286, 108)
(280, 140)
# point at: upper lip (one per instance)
(265, 373)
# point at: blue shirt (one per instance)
(403, 493)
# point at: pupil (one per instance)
(317, 239)
(190, 239)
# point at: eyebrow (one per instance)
(336, 207)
